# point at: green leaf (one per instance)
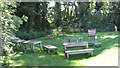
(24, 18)
(20, 21)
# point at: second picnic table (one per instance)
(76, 38)
(32, 43)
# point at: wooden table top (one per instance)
(73, 37)
(32, 42)
(76, 43)
(18, 41)
(50, 47)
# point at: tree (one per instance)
(9, 23)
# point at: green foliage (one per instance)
(37, 16)
(9, 23)
(31, 35)
(41, 17)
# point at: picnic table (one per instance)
(82, 44)
(18, 42)
(67, 53)
(94, 43)
(76, 38)
(75, 44)
(32, 44)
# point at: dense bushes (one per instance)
(31, 35)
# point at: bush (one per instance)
(31, 35)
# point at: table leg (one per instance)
(41, 46)
(64, 40)
(56, 51)
(87, 46)
(20, 44)
(67, 56)
(65, 48)
(23, 47)
(48, 51)
(91, 53)
(30, 45)
(77, 40)
(17, 45)
(33, 48)
(69, 40)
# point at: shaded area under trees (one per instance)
(69, 16)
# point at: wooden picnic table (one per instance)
(76, 38)
(32, 44)
(94, 43)
(67, 53)
(75, 44)
(18, 42)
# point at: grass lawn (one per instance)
(106, 55)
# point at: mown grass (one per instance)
(106, 55)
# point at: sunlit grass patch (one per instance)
(108, 57)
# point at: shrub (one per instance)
(31, 35)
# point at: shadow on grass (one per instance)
(29, 58)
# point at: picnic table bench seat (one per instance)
(94, 43)
(50, 47)
(67, 53)
(73, 38)
(75, 45)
